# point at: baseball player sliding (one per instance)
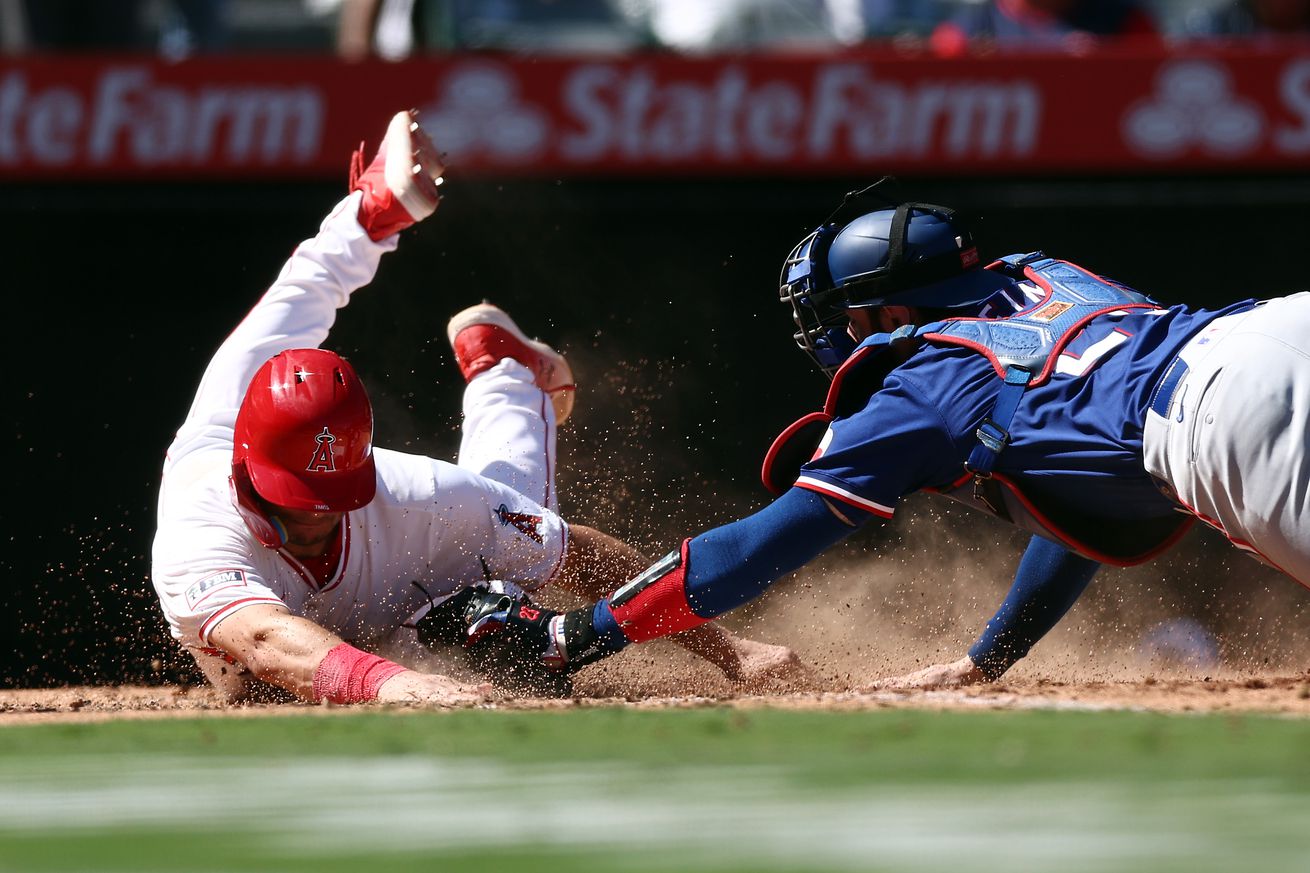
(289, 550)
(1031, 389)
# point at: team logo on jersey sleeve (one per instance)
(528, 525)
(208, 585)
(323, 461)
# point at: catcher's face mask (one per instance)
(818, 308)
(905, 254)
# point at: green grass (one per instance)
(622, 789)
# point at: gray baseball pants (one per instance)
(1232, 439)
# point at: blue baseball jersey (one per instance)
(1075, 439)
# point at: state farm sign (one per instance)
(125, 116)
(1195, 106)
(1225, 109)
(612, 112)
(843, 109)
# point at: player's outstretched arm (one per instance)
(597, 561)
(710, 575)
(750, 663)
(311, 662)
(396, 190)
(1049, 580)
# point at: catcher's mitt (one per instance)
(500, 658)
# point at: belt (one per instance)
(1163, 396)
(1196, 348)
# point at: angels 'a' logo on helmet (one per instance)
(322, 461)
(303, 440)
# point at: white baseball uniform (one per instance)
(433, 527)
(1232, 443)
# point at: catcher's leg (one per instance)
(1234, 446)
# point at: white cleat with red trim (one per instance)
(401, 184)
(484, 335)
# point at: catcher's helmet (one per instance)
(303, 440)
(916, 254)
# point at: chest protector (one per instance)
(1023, 349)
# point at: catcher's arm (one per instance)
(311, 662)
(597, 563)
(711, 574)
(1049, 580)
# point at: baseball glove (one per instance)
(500, 658)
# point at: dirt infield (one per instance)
(1286, 695)
(1204, 630)
(1140, 640)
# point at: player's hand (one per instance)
(762, 666)
(430, 688)
(956, 674)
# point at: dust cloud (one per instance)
(897, 597)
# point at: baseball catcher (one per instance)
(1029, 388)
(290, 550)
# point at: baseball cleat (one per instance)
(483, 335)
(400, 185)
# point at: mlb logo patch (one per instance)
(1051, 311)
(218, 581)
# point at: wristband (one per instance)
(347, 675)
(585, 636)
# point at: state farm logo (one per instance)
(126, 115)
(479, 111)
(1194, 107)
(640, 113)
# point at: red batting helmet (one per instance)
(304, 438)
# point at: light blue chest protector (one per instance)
(1023, 349)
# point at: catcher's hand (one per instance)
(956, 674)
(443, 624)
